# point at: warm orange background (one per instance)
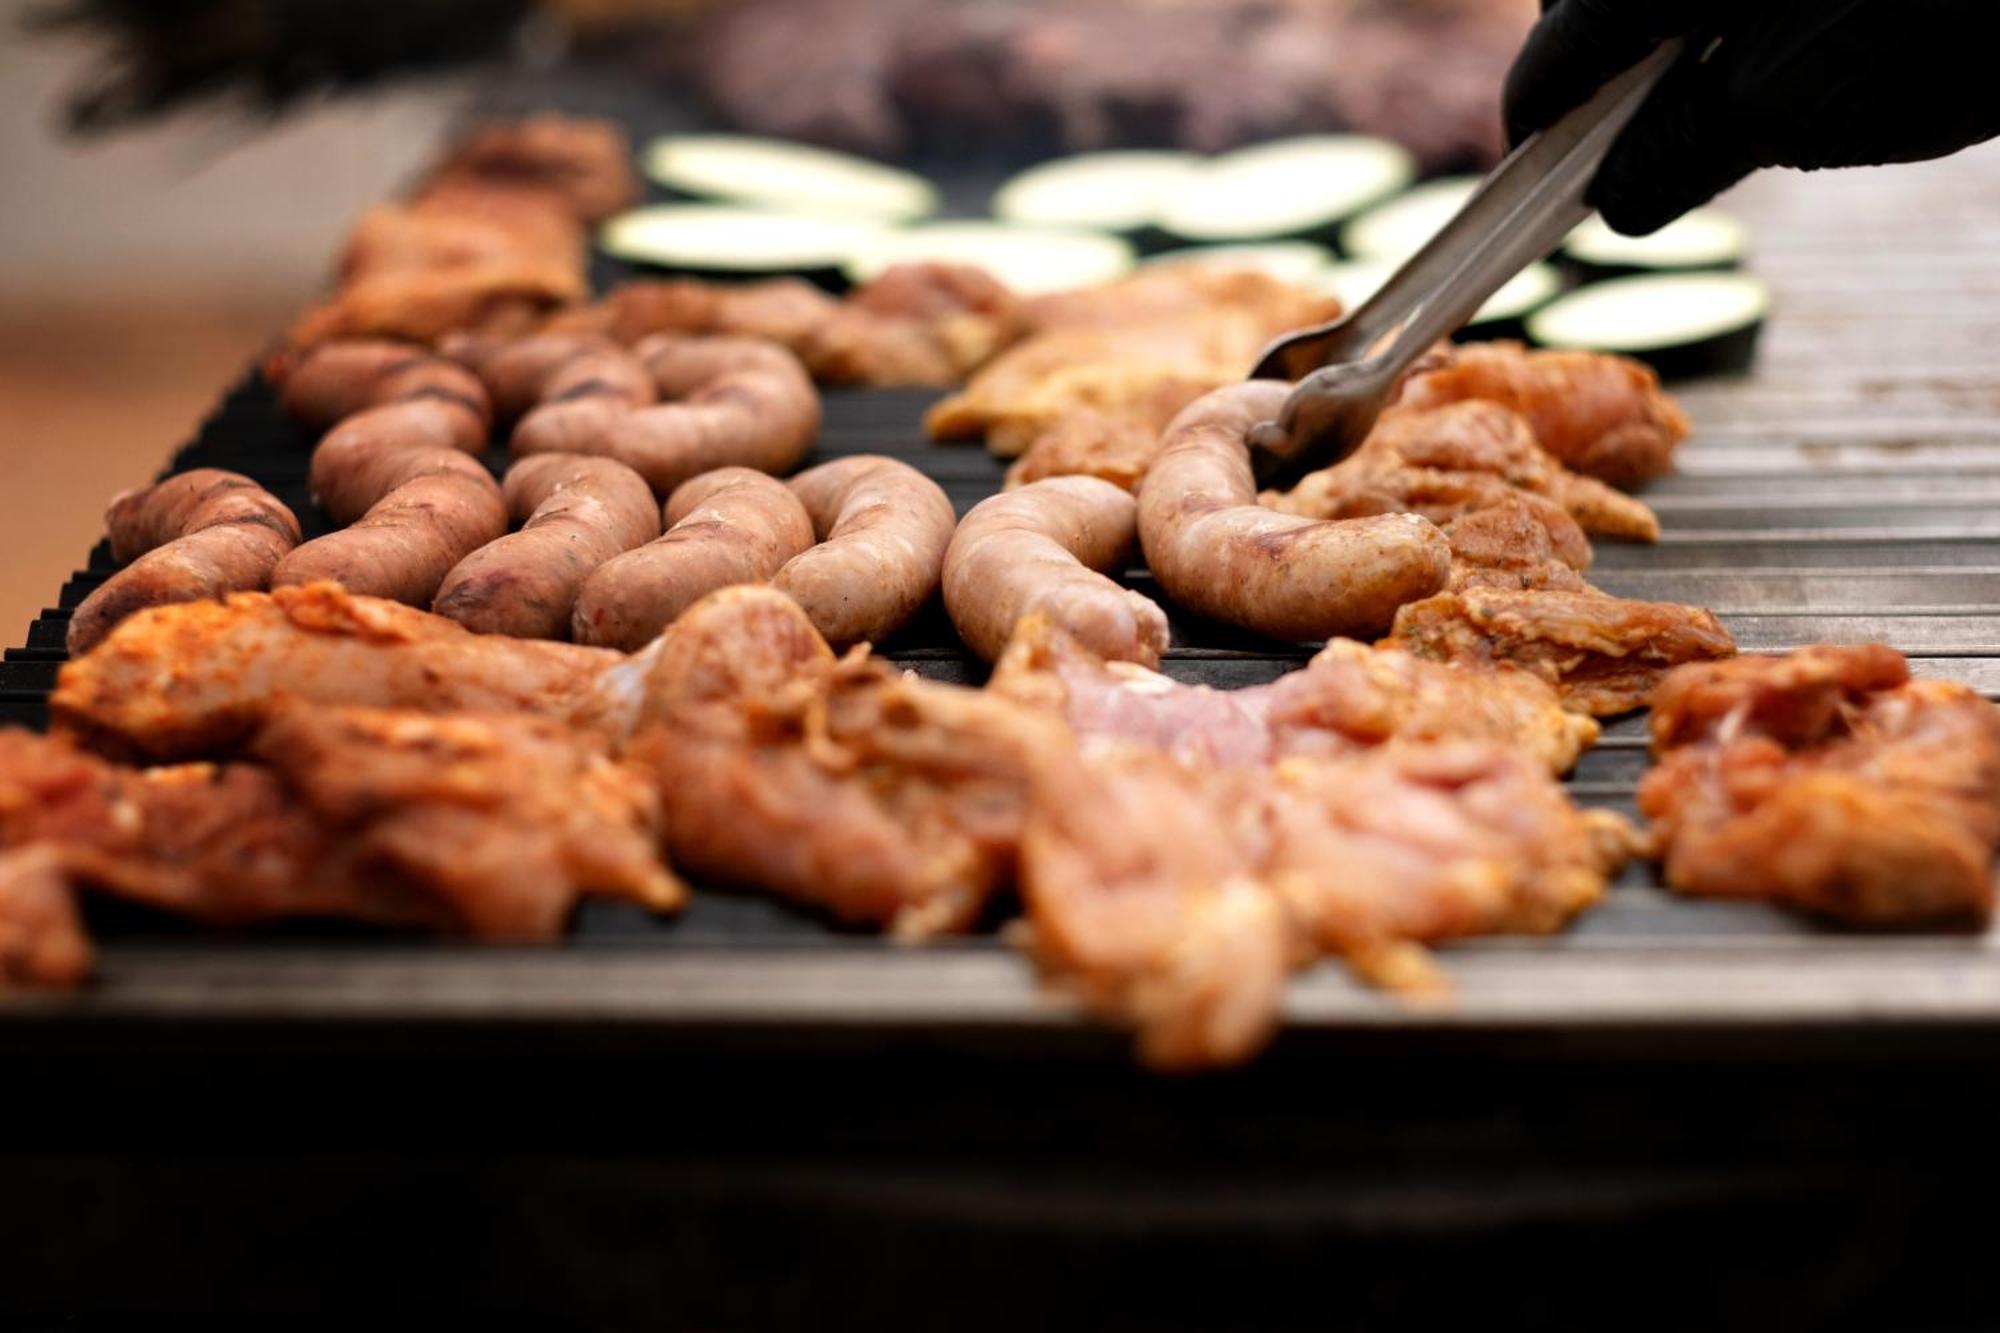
(137, 278)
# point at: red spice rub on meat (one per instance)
(1829, 781)
(197, 678)
(1448, 461)
(1603, 654)
(843, 785)
(41, 934)
(486, 825)
(1604, 416)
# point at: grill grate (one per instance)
(1845, 493)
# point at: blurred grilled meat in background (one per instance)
(892, 78)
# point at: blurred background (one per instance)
(143, 269)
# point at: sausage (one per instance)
(729, 402)
(576, 513)
(521, 373)
(1216, 551)
(732, 525)
(1043, 548)
(883, 527)
(199, 535)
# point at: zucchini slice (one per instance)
(1299, 262)
(714, 241)
(1029, 260)
(1681, 324)
(1120, 192)
(1503, 315)
(1706, 239)
(1301, 188)
(772, 173)
(1397, 229)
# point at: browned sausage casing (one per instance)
(198, 535)
(1216, 551)
(883, 527)
(1042, 548)
(576, 513)
(729, 402)
(397, 470)
(733, 525)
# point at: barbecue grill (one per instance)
(1691, 1067)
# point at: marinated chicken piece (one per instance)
(1090, 443)
(1174, 899)
(504, 819)
(1128, 356)
(1135, 380)
(41, 934)
(1604, 416)
(1144, 903)
(1349, 698)
(195, 679)
(1448, 461)
(489, 826)
(490, 244)
(1603, 654)
(846, 786)
(1828, 781)
(506, 297)
(1182, 293)
(1445, 497)
(409, 238)
(916, 326)
(1511, 544)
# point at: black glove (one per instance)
(1764, 83)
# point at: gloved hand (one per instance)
(1764, 83)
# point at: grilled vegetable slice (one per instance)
(1681, 324)
(1121, 191)
(713, 241)
(1300, 188)
(1705, 239)
(1398, 228)
(1029, 260)
(773, 173)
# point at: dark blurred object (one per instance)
(1005, 77)
(163, 55)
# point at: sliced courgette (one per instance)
(715, 241)
(1301, 188)
(1398, 228)
(773, 173)
(1706, 239)
(1030, 260)
(1119, 192)
(1681, 324)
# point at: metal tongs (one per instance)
(1519, 214)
